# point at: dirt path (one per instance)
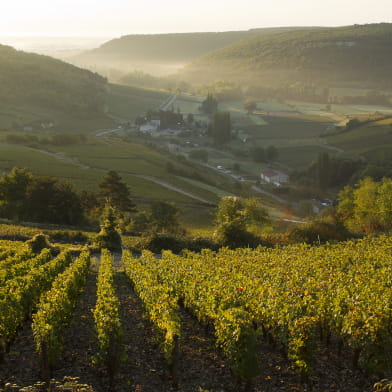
(144, 369)
(21, 364)
(80, 343)
(200, 365)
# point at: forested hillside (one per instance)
(355, 56)
(163, 48)
(41, 85)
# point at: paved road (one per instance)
(174, 188)
(106, 132)
(169, 102)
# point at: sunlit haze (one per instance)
(120, 17)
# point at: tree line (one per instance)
(330, 172)
(26, 197)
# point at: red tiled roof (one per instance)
(269, 173)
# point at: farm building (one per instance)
(152, 126)
(274, 177)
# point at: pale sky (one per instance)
(120, 17)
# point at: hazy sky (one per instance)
(120, 17)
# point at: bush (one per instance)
(68, 236)
(197, 244)
(230, 236)
(156, 243)
(319, 232)
(38, 243)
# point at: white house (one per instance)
(151, 127)
(274, 177)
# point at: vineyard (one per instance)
(298, 318)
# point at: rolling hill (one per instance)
(161, 53)
(356, 56)
(37, 89)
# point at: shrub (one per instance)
(38, 243)
(68, 236)
(197, 244)
(158, 242)
(319, 232)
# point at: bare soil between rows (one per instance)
(201, 368)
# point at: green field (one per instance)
(83, 179)
(286, 128)
(295, 129)
(295, 133)
(45, 165)
(188, 104)
(365, 138)
(301, 156)
(212, 189)
(136, 159)
(143, 169)
(15, 118)
(128, 103)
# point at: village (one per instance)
(186, 134)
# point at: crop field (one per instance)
(13, 118)
(315, 109)
(275, 319)
(134, 159)
(366, 137)
(70, 165)
(379, 154)
(294, 130)
(199, 222)
(118, 156)
(187, 105)
(286, 128)
(246, 166)
(45, 165)
(274, 106)
(301, 156)
(128, 103)
(207, 187)
(294, 127)
(342, 92)
(8, 115)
